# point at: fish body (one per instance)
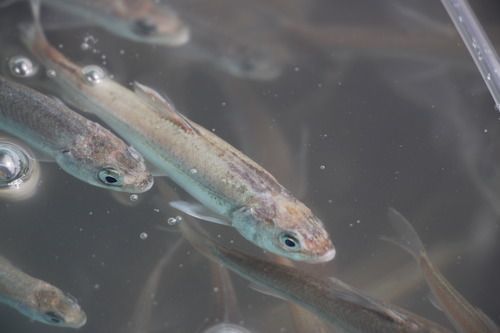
(81, 147)
(138, 20)
(465, 317)
(332, 300)
(37, 299)
(210, 169)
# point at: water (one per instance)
(384, 109)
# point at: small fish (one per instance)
(236, 190)
(37, 299)
(80, 147)
(334, 301)
(465, 317)
(144, 21)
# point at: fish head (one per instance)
(285, 226)
(102, 159)
(53, 307)
(249, 63)
(161, 25)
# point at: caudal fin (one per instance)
(32, 34)
(407, 238)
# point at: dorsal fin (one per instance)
(163, 106)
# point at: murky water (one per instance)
(354, 106)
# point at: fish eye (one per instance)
(54, 317)
(144, 27)
(110, 176)
(289, 241)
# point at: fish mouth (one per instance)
(327, 256)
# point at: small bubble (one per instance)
(85, 46)
(171, 221)
(143, 235)
(322, 167)
(193, 171)
(216, 289)
(485, 130)
(296, 68)
(157, 210)
(134, 197)
(97, 286)
(22, 67)
(91, 213)
(93, 74)
(122, 52)
(51, 73)
(61, 46)
(223, 104)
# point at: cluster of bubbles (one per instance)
(21, 66)
(173, 221)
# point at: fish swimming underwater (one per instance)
(145, 21)
(330, 299)
(465, 317)
(240, 192)
(37, 299)
(81, 147)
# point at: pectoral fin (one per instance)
(199, 211)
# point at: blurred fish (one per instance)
(465, 317)
(237, 37)
(227, 303)
(218, 175)
(19, 171)
(37, 299)
(143, 310)
(330, 299)
(145, 21)
(80, 147)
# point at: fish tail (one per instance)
(32, 34)
(407, 238)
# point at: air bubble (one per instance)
(93, 74)
(322, 167)
(143, 235)
(51, 73)
(22, 67)
(134, 197)
(15, 165)
(193, 171)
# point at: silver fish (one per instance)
(330, 299)
(139, 20)
(465, 317)
(211, 170)
(80, 147)
(37, 299)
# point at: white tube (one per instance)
(477, 42)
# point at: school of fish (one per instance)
(119, 136)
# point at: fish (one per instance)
(227, 303)
(465, 317)
(145, 21)
(237, 38)
(329, 298)
(232, 188)
(81, 147)
(37, 299)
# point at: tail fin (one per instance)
(32, 34)
(407, 238)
